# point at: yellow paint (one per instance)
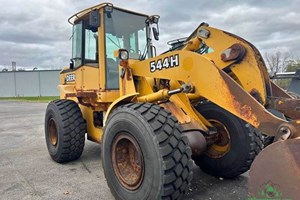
(181, 101)
(97, 7)
(145, 85)
(159, 95)
(94, 133)
(193, 44)
(89, 83)
(221, 149)
(102, 55)
(206, 77)
(108, 96)
(248, 72)
(188, 64)
(204, 72)
(126, 98)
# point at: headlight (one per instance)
(123, 54)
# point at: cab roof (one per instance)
(84, 12)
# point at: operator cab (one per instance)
(100, 31)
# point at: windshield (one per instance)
(127, 31)
(123, 31)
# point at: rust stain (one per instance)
(234, 52)
(246, 111)
(281, 160)
(125, 64)
(124, 86)
(288, 106)
(70, 95)
(278, 92)
(234, 98)
(88, 94)
(127, 161)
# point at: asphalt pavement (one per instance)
(28, 172)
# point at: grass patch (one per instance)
(33, 99)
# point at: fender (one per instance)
(117, 102)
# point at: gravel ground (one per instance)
(27, 171)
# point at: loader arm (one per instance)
(251, 74)
(215, 85)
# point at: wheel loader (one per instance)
(207, 100)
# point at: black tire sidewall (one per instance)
(70, 127)
(134, 125)
(240, 142)
(53, 113)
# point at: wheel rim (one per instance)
(222, 146)
(128, 163)
(52, 132)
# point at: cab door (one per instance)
(84, 68)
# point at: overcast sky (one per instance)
(35, 33)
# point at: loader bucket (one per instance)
(275, 172)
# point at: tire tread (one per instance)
(173, 147)
(73, 130)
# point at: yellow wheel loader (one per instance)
(207, 99)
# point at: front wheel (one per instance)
(144, 154)
(236, 148)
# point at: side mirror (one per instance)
(155, 33)
(94, 19)
(154, 20)
(71, 64)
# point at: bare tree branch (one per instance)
(277, 62)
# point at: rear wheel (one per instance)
(64, 130)
(144, 154)
(236, 148)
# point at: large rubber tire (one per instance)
(245, 143)
(65, 130)
(166, 156)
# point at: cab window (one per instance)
(84, 45)
(77, 45)
(91, 46)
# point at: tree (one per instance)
(293, 66)
(277, 62)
